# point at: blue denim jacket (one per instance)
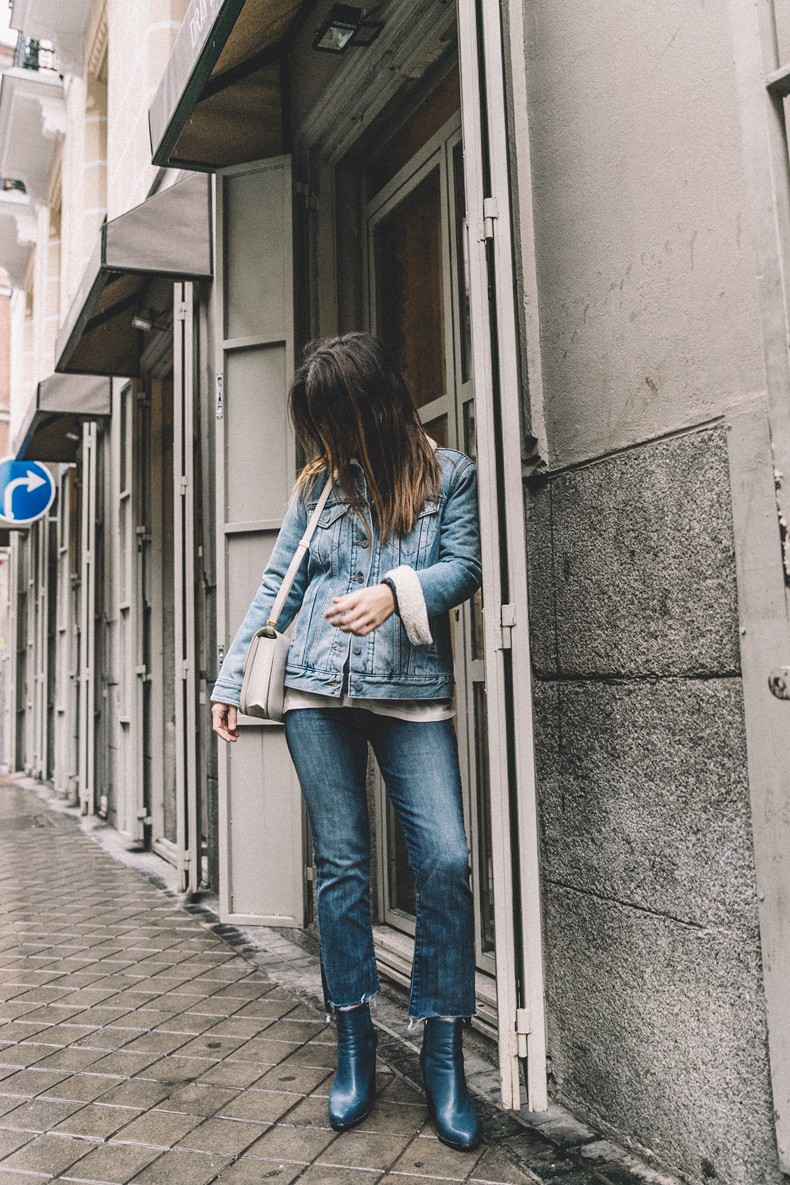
(435, 567)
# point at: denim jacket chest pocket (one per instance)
(325, 546)
(423, 539)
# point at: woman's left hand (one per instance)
(362, 612)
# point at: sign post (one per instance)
(27, 490)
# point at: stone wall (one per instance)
(656, 1014)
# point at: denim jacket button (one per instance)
(358, 578)
(362, 543)
(357, 649)
(357, 686)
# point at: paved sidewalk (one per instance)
(136, 1045)
(141, 1040)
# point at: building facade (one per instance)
(571, 228)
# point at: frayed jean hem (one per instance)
(367, 997)
(418, 1020)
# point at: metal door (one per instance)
(260, 818)
(519, 962)
(67, 639)
(188, 822)
(86, 760)
(131, 804)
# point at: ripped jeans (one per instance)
(419, 763)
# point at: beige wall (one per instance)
(5, 363)
(649, 317)
(140, 38)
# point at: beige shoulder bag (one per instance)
(263, 688)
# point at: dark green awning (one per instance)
(52, 428)
(167, 237)
(220, 101)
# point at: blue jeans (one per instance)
(419, 763)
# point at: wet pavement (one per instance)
(137, 1045)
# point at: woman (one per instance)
(396, 548)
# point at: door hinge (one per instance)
(142, 673)
(309, 872)
(220, 655)
(183, 310)
(185, 669)
(779, 682)
(220, 405)
(308, 195)
(183, 486)
(523, 1029)
(490, 215)
(507, 620)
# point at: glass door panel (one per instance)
(410, 288)
(419, 307)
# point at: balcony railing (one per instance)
(31, 54)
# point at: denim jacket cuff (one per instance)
(411, 605)
(225, 693)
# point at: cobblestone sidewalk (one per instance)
(136, 1045)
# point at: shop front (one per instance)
(375, 193)
(135, 320)
(56, 617)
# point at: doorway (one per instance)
(416, 299)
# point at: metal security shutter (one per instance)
(188, 828)
(87, 695)
(260, 816)
(519, 959)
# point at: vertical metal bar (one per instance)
(497, 382)
(195, 829)
(218, 314)
(42, 600)
(507, 1000)
(87, 738)
(138, 436)
(525, 798)
(188, 829)
(180, 592)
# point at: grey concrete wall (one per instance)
(647, 276)
(655, 1006)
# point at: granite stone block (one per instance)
(657, 1029)
(644, 796)
(631, 564)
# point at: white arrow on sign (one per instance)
(31, 480)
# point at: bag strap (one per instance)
(295, 564)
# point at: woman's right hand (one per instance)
(223, 717)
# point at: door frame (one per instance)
(437, 152)
(496, 362)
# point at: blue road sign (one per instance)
(26, 491)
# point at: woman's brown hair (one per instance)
(349, 401)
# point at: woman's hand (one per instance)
(362, 612)
(223, 721)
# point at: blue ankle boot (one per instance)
(449, 1104)
(354, 1087)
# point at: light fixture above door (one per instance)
(345, 26)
